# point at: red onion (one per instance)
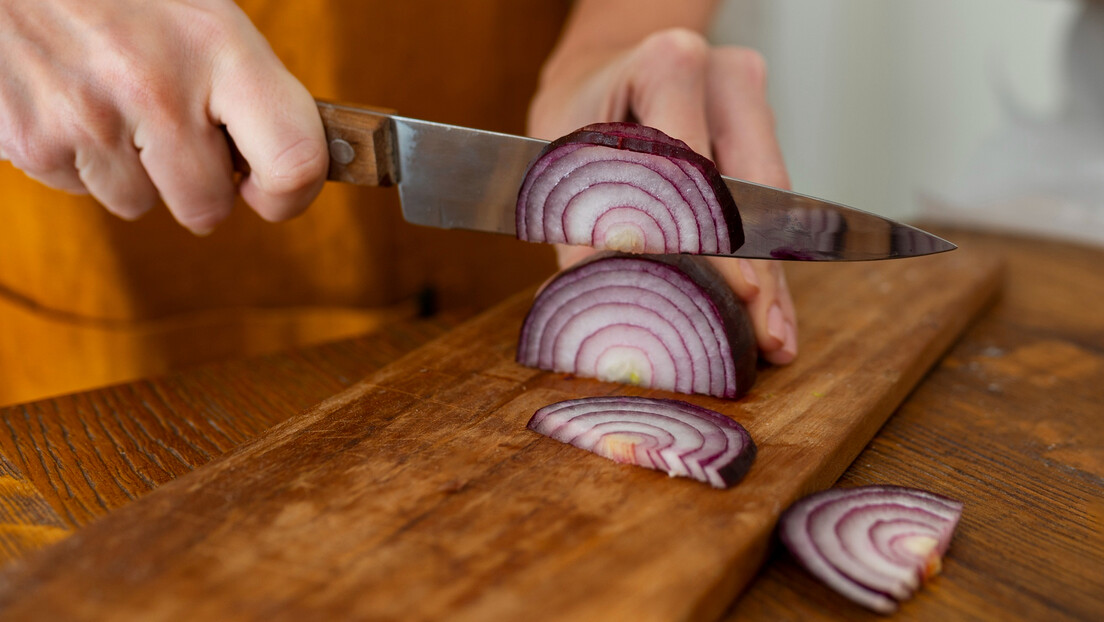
(873, 544)
(627, 187)
(666, 322)
(667, 435)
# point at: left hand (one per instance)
(714, 99)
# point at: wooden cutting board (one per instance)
(419, 494)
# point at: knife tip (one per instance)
(909, 241)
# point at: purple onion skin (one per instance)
(737, 322)
(735, 471)
(647, 140)
(738, 337)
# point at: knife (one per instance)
(459, 178)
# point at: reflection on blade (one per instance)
(786, 225)
(455, 177)
(459, 178)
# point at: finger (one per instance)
(742, 125)
(275, 124)
(188, 162)
(741, 121)
(117, 180)
(773, 314)
(66, 180)
(46, 164)
(770, 305)
(667, 85)
(740, 274)
(570, 255)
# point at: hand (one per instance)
(126, 100)
(712, 98)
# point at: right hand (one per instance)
(127, 100)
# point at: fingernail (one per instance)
(200, 232)
(790, 342)
(749, 273)
(788, 352)
(776, 323)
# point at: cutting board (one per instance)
(419, 494)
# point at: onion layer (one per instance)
(667, 435)
(875, 545)
(666, 322)
(627, 187)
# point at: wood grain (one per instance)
(27, 522)
(418, 494)
(95, 451)
(1009, 422)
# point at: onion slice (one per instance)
(666, 435)
(666, 322)
(627, 187)
(875, 545)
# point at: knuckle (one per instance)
(91, 120)
(24, 143)
(217, 32)
(137, 80)
(146, 91)
(122, 66)
(748, 64)
(36, 156)
(78, 121)
(677, 48)
(150, 93)
(208, 24)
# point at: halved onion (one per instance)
(666, 322)
(667, 435)
(627, 187)
(873, 544)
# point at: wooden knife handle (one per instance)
(362, 146)
(361, 143)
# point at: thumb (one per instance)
(274, 123)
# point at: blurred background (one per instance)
(985, 111)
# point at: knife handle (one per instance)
(361, 143)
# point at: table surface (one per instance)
(1009, 419)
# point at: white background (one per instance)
(880, 103)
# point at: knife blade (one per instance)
(455, 177)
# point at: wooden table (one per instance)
(1010, 419)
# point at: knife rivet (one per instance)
(341, 151)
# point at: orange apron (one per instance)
(87, 299)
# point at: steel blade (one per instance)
(779, 224)
(459, 178)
